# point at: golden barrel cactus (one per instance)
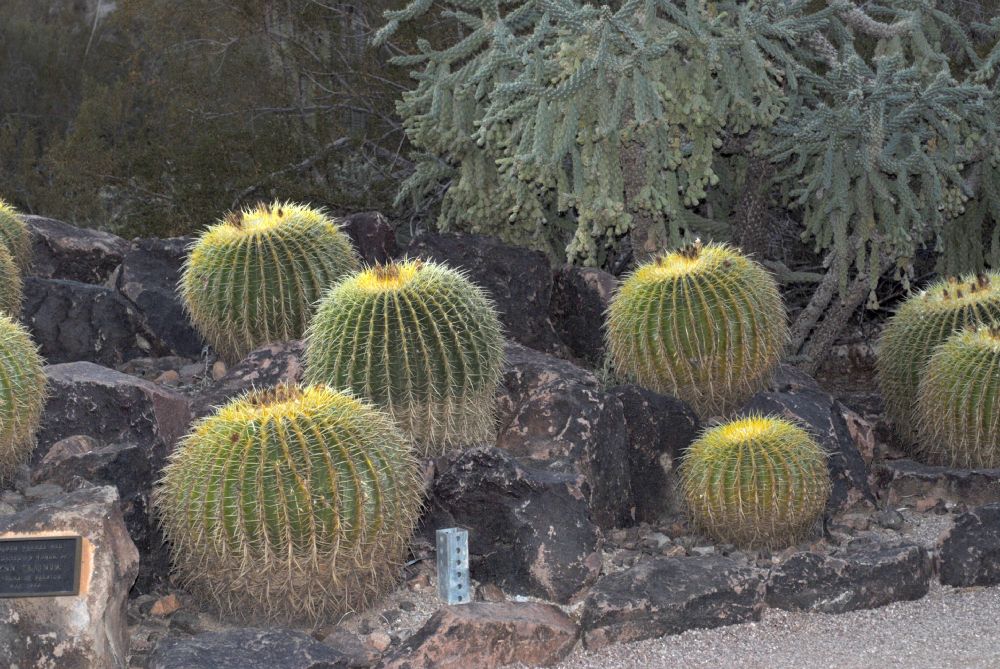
(10, 285)
(14, 236)
(22, 395)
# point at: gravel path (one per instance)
(947, 629)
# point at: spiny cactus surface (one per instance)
(756, 481)
(14, 236)
(255, 277)
(958, 409)
(292, 504)
(704, 323)
(418, 339)
(10, 285)
(921, 324)
(22, 395)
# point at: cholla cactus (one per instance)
(22, 395)
(922, 323)
(10, 285)
(255, 277)
(704, 323)
(958, 410)
(756, 481)
(293, 504)
(418, 339)
(14, 236)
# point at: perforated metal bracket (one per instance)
(453, 565)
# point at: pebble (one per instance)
(380, 641)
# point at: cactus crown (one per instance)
(755, 481)
(22, 395)
(704, 323)
(255, 276)
(921, 324)
(292, 504)
(419, 340)
(14, 235)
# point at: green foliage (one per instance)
(756, 481)
(922, 323)
(958, 410)
(256, 276)
(10, 285)
(14, 236)
(291, 504)
(418, 339)
(705, 324)
(22, 395)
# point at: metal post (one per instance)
(453, 565)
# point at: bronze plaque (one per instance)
(40, 566)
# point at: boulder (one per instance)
(249, 648)
(969, 553)
(72, 321)
(669, 595)
(264, 367)
(74, 632)
(148, 278)
(113, 408)
(62, 251)
(909, 483)
(518, 280)
(580, 298)
(486, 636)
(861, 576)
(529, 529)
(660, 429)
(823, 416)
(373, 237)
(560, 419)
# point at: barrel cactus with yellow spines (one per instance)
(291, 504)
(958, 405)
(704, 323)
(922, 323)
(419, 340)
(255, 277)
(14, 235)
(756, 481)
(10, 285)
(22, 395)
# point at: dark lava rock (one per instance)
(669, 595)
(264, 367)
(660, 429)
(62, 251)
(910, 483)
(861, 576)
(113, 408)
(969, 554)
(373, 237)
(823, 416)
(518, 280)
(248, 648)
(529, 529)
(580, 298)
(148, 277)
(486, 635)
(561, 419)
(72, 321)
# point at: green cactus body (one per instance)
(418, 339)
(291, 504)
(958, 407)
(22, 395)
(756, 481)
(921, 324)
(10, 285)
(255, 277)
(705, 324)
(14, 236)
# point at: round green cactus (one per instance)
(22, 395)
(958, 407)
(704, 323)
(291, 504)
(14, 236)
(419, 340)
(255, 277)
(921, 324)
(756, 481)
(10, 285)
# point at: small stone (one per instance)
(703, 551)
(187, 622)
(490, 592)
(365, 626)
(407, 605)
(218, 370)
(673, 550)
(357, 653)
(656, 541)
(380, 641)
(890, 519)
(76, 444)
(419, 582)
(164, 606)
(168, 378)
(391, 616)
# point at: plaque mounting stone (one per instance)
(46, 566)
